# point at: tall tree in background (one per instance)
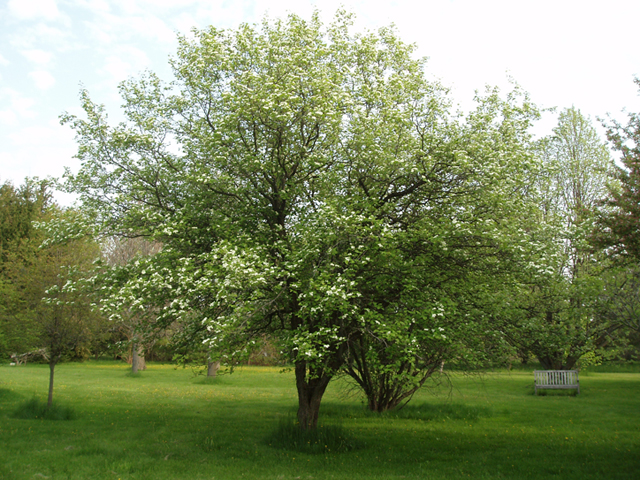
(19, 252)
(42, 257)
(618, 226)
(558, 316)
(620, 221)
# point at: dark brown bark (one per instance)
(52, 366)
(387, 390)
(557, 363)
(311, 387)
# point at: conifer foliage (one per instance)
(621, 222)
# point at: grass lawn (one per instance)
(168, 424)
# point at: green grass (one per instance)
(168, 424)
(324, 439)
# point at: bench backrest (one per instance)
(556, 377)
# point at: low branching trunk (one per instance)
(549, 362)
(386, 389)
(311, 386)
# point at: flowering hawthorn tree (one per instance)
(288, 166)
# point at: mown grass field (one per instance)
(168, 424)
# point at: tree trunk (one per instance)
(549, 363)
(137, 358)
(570, 362)
(52, 366)
(212, 368)
(311, 388)
(557, 363)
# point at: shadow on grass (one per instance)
(555, 392)
(7, 395)
(322, 440)
(203, 380)
(35, 409)
(424, 411)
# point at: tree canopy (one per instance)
(313, 184)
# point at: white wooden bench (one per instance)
(556, 379)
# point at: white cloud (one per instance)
(29, 9)
(8, 117)
(117, 68)
(3, 61)
(41, 34)
(225, 15)
(123, 63)
(41, 134)
(94, 6)
(43, 79)
(38, 150)
(151, 27)
(18, 106)
(108, 28)
(39, 57)
(168, 4)
(100, 33)
(23, 106)
(128, 7)
(184, 23)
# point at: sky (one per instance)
(563, 52)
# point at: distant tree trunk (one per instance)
(137, 358)
(212, 368)
(52, 366)
(311, 388)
